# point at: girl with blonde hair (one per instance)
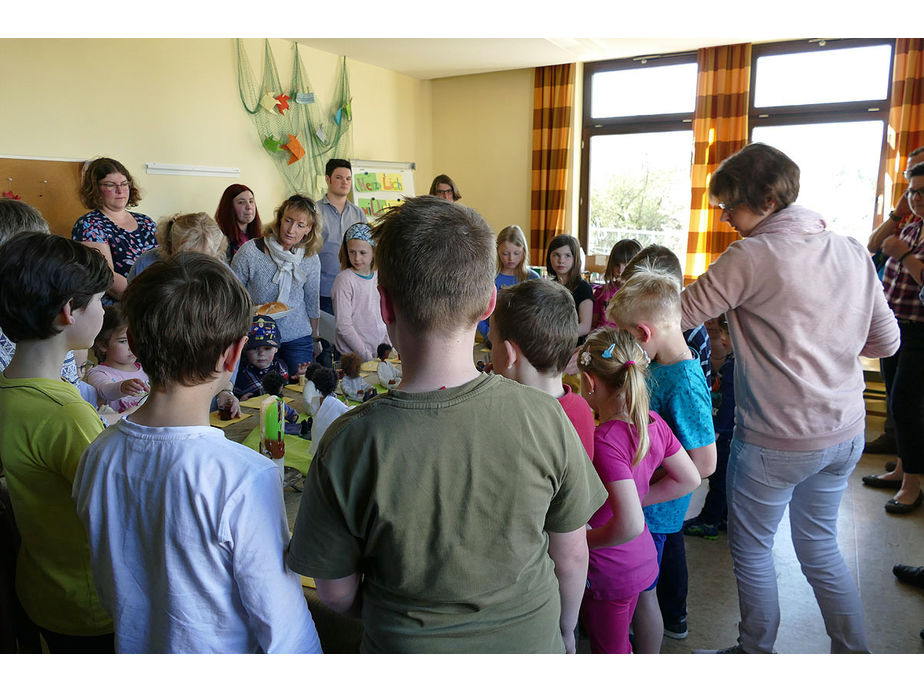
(512, 254)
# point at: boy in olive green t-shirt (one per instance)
(448, 514)
(50, 292)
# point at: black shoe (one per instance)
(883, 445)
(909, 574)
(676, 630)
(897, 508)
(876, 482)
(891, 465)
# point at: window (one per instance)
(831, 121)
(825, 103)
(637, 149)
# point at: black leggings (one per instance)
(904, 381)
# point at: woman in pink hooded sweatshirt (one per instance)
(803, 304)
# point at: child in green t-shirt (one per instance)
(50, 293)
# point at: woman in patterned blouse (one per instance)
(121, 236)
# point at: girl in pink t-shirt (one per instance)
(118, 379)
(620, 254)
(629, 444)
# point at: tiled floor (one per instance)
(871, 542)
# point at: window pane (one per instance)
(839, 165)
(644, 91)
(846, 74)
(640, 188)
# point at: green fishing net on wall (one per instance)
(295, 129)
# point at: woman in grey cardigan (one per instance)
(283, 266)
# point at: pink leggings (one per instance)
(607, 623)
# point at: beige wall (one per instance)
(176, 101)
(482, 139)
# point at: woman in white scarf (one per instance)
(284, 267)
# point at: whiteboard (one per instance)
(378, 185)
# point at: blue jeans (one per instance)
(761, 483)
(297, 351)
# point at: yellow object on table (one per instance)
(257, 402)
(215, 420)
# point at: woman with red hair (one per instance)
(237, 217)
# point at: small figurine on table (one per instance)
(353, 384)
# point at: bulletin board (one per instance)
(49, 185)
(378, 185)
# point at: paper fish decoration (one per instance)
(282, 103)
(338, 116)
(301, 97)
(348, 112)
(296, 149)
(268, 102)
(320, 133)
(272, 145)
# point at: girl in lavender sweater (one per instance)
(360, 328)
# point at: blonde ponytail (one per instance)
(616, 358)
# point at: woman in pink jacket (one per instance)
(803, 304)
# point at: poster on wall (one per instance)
(378, 185)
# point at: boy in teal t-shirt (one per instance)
(648, 305)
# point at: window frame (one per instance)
(622, 125)
(821, 113)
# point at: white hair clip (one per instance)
(585, 358)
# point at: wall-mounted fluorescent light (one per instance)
(184, 170)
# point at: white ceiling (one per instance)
(432, 58)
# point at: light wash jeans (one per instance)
(761, 483)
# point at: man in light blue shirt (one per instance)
(338, 214)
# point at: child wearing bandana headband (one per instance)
(360, 328)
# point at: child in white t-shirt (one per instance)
(187, 529)
(322, 402)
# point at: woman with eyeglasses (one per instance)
(803, 304)
(903, 373)
(121, 236)
(283, 267)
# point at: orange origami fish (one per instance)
(295, 148)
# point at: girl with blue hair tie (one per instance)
(360, 328)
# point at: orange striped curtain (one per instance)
(906, 115)
(720, 128)
(553, 101)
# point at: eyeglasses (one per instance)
(124, 185)
(447, 191)
(82, 368)
(728, 209)
(913, 193)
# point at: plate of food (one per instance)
(274, 309)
